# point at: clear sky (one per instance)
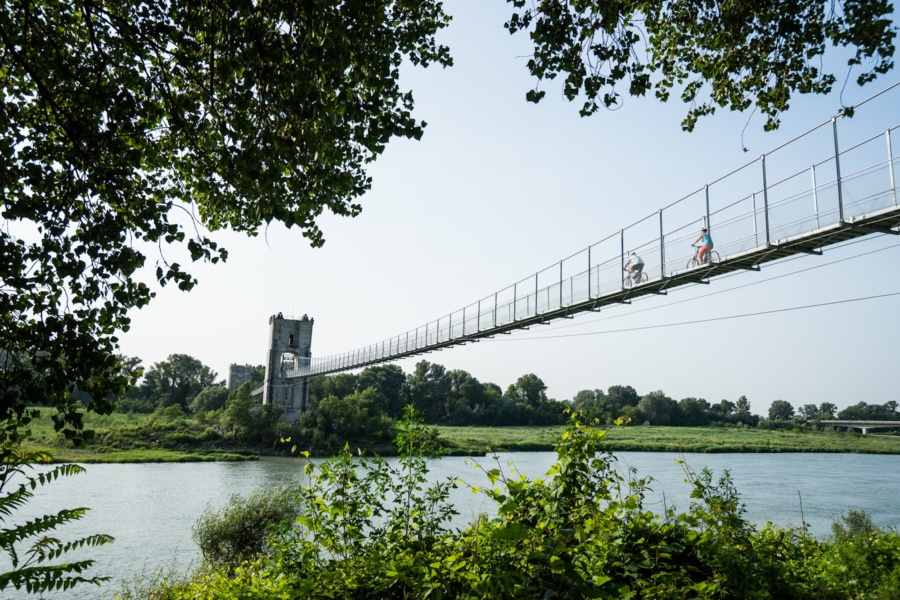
(499, 188)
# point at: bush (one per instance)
(238, 532)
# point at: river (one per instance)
(150, 508)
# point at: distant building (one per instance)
(238, 374)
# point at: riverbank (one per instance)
(136, 438)
(88, 456)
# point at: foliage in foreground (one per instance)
(30, 548)
(371, 530)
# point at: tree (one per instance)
(781, 410)
(616, 400)
(355, 419)
(212, 397)
(589, 403)
(657, 408)
(693, 412)
(426, 389)
(528, 390)
(246, 419)
(723, 411)
(808, 412)
(742, 410)
(340, 385)
(716, 54)
(827, 410)
(388, 382)
(177, 380)
(465, 395)
(118, 116)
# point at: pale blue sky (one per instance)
(499, 188)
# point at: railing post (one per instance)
(464, 321)
(891, 165)
(622, 255)
(478, 320)
(515, 300)
(812, 171)
(450, 327)
(766, 201)
(495, 309)
(755, 227)
(708, 223)
(527, 310)
(662, 248)
(560, 289)
(837, 167)
(590, 295)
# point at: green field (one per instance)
(148, 438)
(478, 440)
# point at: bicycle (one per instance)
(712, 255)
(635, 278)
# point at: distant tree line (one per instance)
(364, 406)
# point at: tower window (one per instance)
(291, 340)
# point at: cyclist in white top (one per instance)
(634, 265)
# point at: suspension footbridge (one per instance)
(833, 183)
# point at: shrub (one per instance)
(238, 532)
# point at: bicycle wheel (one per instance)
(628, 283)
(693, 263)
(644, 278)
(714, 256)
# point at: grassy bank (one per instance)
(136, 438)
(151, 438)
(478, 440)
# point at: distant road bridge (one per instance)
(834, 183)
(864, 426)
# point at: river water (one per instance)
(150, 508)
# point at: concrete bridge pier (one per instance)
(290, 342)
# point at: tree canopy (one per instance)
(127, 126)
(735, 54)
(114, 115)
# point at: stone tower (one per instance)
(289, 348)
